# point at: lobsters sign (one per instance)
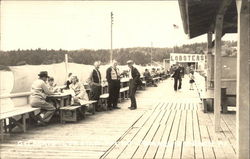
(174, 57)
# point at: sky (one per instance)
(74, 25)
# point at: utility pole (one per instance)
(151, 54)
(111, 38)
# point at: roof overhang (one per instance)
(199, 16)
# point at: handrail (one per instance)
(227, 80)
(15, 95)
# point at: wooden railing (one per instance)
(16, 95)
(18, 99)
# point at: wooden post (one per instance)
(243, 80)
(209, 59)
(217, 75)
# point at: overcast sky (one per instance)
(86, 24)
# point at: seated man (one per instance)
(39, 92)
(78, 91)
(148, 78)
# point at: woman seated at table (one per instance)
(78, 91)
(69, 81)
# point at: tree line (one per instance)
(141, 55)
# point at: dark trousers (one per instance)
(177, 83)
(114, 90)
(132, 91)
(95, 93)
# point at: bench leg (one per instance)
(15, 123)
(82, 111)
(61, 120)
(5, 125)
(24, 123)
(36, 117)
(120, 97)
(93, 108)
(204, 103)
(224, 109)
(1, 129)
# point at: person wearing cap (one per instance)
(134, 82)
(39, 92)
(94, 82)
(113, 78)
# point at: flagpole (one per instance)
(151, 60)
(111, 38)
(175, 27)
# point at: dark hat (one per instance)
(43, 74)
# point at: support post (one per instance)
(209, 60)
(243, 80)
(217, 75)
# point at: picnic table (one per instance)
(60, 99)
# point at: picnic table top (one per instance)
(58, 95)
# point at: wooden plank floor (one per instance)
(167, 124)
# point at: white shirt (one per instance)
(130, 74)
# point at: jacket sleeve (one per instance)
(136, 74)
(108, 75)
(89, 80)
(46, 89)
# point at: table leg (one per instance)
(61, 102)
(61, 116)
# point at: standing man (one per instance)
(94, 81)
(177, 78)
(113, 78)
(134, 82)
(39, 92)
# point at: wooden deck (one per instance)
(167, 124)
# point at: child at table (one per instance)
(191, 81)
(51, 85)
(78, 91)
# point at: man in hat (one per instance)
(39, 92)
(134, 82)
(113, 78)
(95, 84)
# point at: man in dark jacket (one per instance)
(177, 78)
(113, 78)
(95, 84)
(134, 82)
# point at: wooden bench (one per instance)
(156, 79)
(230, 100)
(144, 84)
(104, 99)
(205, 98)
(23, 111)
(70, 113)
(226, 100)
(124, 93)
